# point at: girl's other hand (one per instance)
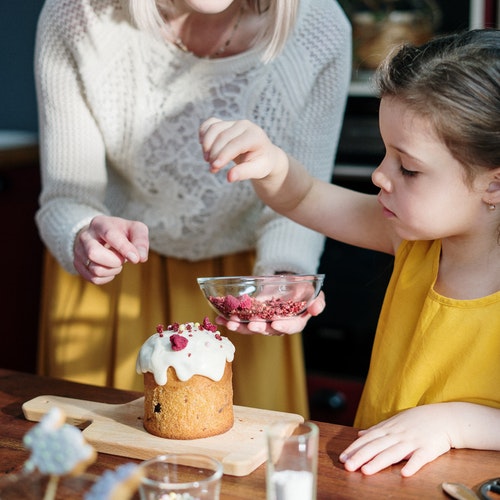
(419, 435)
(101, 248)
(279, 327)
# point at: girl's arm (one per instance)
(286, 186)
(422, 434)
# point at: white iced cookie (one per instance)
(57, 448)
(120, 484)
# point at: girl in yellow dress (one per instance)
(433, 382)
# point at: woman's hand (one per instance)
(420, 435)
(101, 248)
(278, 327)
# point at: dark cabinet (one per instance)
(20, 257)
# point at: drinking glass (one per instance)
(292, 462)
(181, 476)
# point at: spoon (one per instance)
(459, 491)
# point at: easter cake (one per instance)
(188, 391)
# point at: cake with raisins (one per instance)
(188, 390)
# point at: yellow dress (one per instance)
(429, 348)
(92, 334)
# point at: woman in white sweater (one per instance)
(122, 87)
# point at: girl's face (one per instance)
(423, 189)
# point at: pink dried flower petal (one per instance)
(178, 342)
(245, 301)
(208, 325)
(248, 308)
(231, 302)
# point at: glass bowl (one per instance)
(261, 298)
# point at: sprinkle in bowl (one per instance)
(261, 298)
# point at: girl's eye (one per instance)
(407, 173)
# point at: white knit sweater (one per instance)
(119, 116)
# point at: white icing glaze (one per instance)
(205, 354)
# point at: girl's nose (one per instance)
(380, 179)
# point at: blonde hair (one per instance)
(281, 17)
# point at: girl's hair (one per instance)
(454, 81)
(281, 16)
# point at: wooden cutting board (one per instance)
(117, 429)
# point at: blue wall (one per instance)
(18, 20)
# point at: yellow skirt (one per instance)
(92, 334)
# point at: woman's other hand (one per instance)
(279, 327)
(101, 248)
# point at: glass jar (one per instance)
(379, 26)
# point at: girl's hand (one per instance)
(101, 248)
(278, 327)
(242, 142)
(420, 435)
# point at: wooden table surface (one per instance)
(470, 467)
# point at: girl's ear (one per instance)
(492, 194)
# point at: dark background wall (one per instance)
(17, 34)
(17, 89)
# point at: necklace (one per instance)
(177, 40)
